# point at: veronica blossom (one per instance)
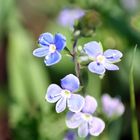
(84, 121)
(101, 61)
(50, 47)
(64, 95)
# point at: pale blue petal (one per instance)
(109, 66)
(113, 55)
(90, 105)
(83, 130)
(96, 126)
(53, 93)
(41, 52)
(93, 49)
(45, 39)
(52, 58)
(60, 41)
(61, 105)
(70, 82)
(96, 68)
(75, 102)
(74, 120)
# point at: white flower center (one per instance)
(87, 117)
(52, 48)
(66, 93)
(100, 59)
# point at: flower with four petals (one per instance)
(65, 96)
(101, 60)
(84, 121)
(50, 47)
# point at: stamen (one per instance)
(87, 117)
(100, 58)
(66, 93)
(52, 48)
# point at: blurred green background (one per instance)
(24, 114)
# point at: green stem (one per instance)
(77, 65)
(134, 122)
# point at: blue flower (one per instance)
(84, 121)
(64, 96)
(101, 61)
(67, 16)
(112, 107)
(70, 135)
(50, 48)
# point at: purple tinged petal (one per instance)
(59, 41)
(52, 58)
(109, 66)
(108, 105)
(106, 99)
(75, 103)
(61, 105)
(96, 126)
(46, 39)
(83, 130)
(70, 114)
(41, 52)
(74, 120)
(70, 82)
(90, 105)
(96, 68)
(53, 93)
(113, 55)
(93, 49)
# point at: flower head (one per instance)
(50, 47)
(84, 121)
(112, 107)
(64, 95)
(67, 16)
(101, 60)
(70, 135)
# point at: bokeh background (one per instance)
(24, 114)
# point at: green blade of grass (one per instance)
(134, 122)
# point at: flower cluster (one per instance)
(67, 95)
